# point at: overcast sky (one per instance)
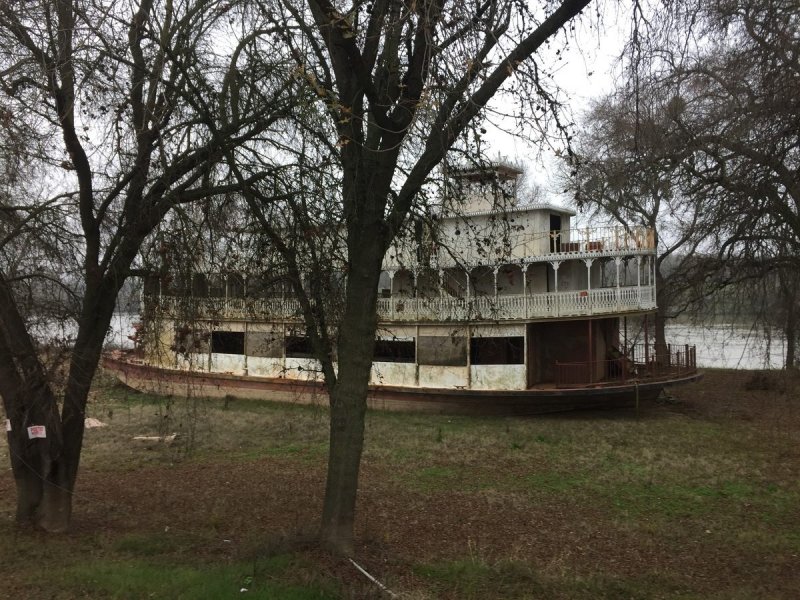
(587, 71)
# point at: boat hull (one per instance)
(174, 382)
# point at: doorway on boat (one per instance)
(573, 351)
(555, 233)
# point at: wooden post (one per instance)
(646, 344)
(625, 335)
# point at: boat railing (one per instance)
(580, 242)
(614, 238)
(427, 308)
(671, 362)
(519, 306)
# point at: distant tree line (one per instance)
(701, 141)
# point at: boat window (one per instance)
(264, 344)
(450, 351)
(199, 285)
(298, 347)
(235, 285)
(227, 342)
(498, 350)
(401, 351)
(216, 285)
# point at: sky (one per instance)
(586, 72)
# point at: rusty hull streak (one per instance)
(433, 400)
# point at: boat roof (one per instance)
(523, 208)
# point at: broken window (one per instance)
(227, 342)
(401, 351)
(442, 350)
(298, 347)
(264, 344)
(498, 350)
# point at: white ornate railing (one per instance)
(614, 238)
(587, 240)
(444, 308)
(521, 245)
(519, 306)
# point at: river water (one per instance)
(731, 346)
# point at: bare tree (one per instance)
(394, 86)
(622, 168)
(123, 95)
(708, 142)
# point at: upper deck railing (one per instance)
(427, 309)
(526, 245)
(598, 239)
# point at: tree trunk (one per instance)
(356, 345)
(44, 491)
(662, 307)
(45, 468)
(790, 332)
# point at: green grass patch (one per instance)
(148, 545)
(139, 579)
(549, 482)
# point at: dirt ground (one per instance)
(224, 509)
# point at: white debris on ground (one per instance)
(167, 439)
(91, 423)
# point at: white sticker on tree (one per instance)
(8, 424)
(36, 431)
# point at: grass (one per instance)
(695, 498)
(138, 579)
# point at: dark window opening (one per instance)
(178, 284)
(227, 342)
(199, 285)
(234, 285)
(216, 285)
(498, 350)
(298, 347)
(555, 229)
(395, 351)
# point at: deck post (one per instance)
(441, 296)
(589, 262)
(225, 310)
(617, 261)
(391, 293)
(525, 290)
(468, 312)
(495, 271)
(646, 344)
(625, 335)
(639, 281)
(555, 264)
(415, 291)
